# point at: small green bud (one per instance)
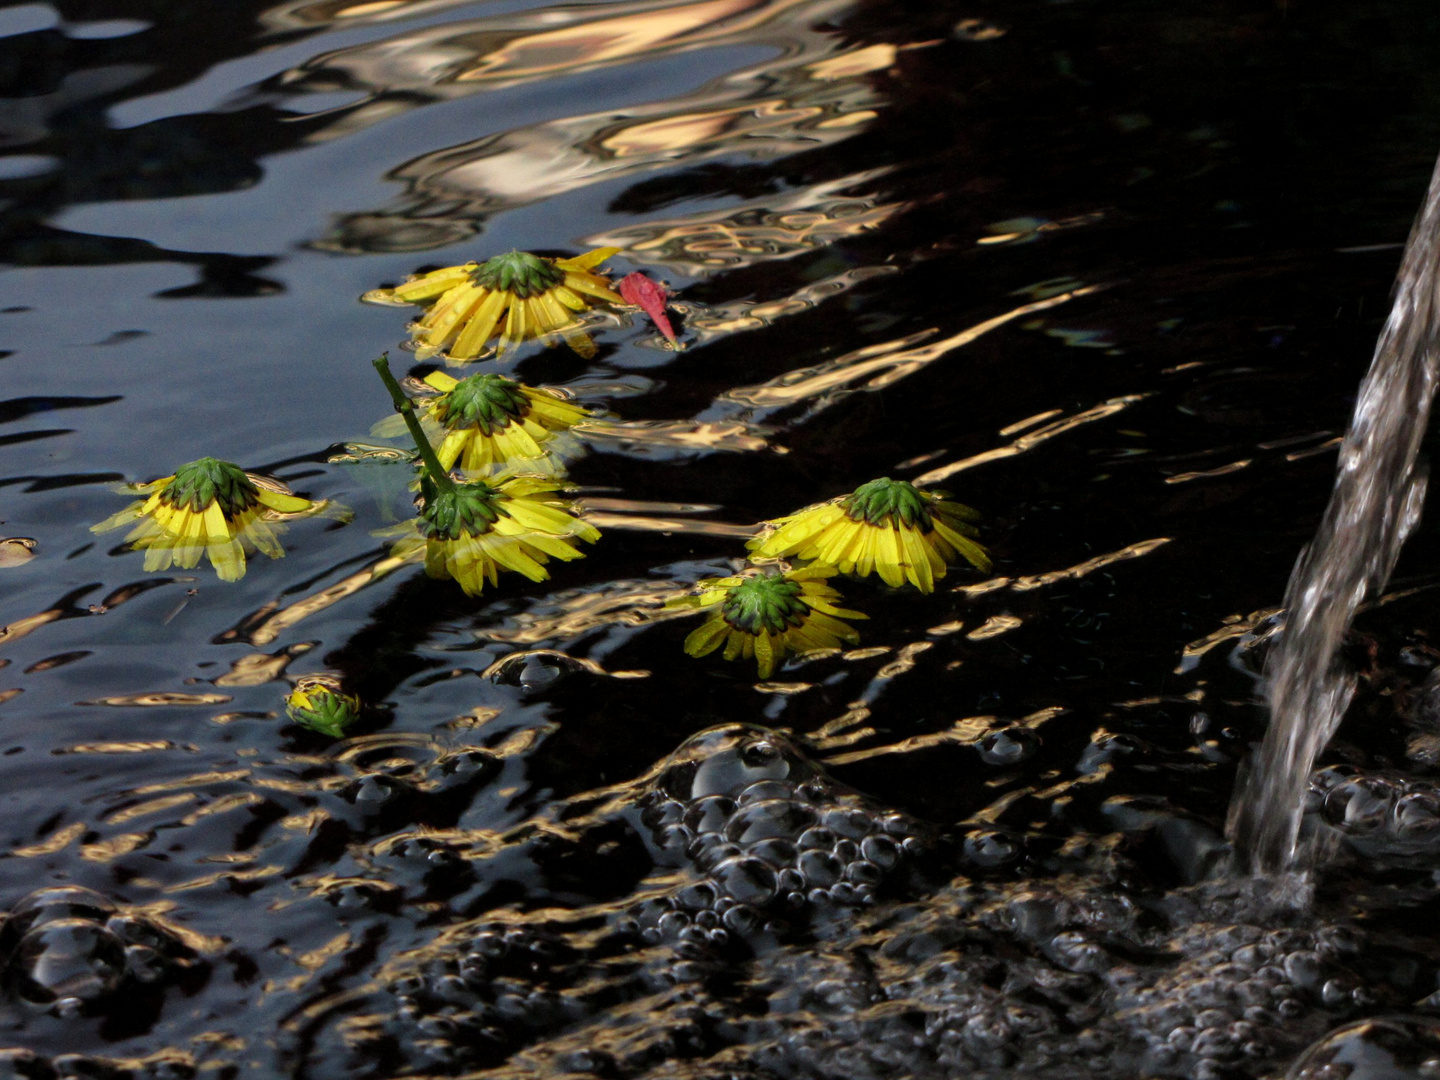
(320, 706)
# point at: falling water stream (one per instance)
(1378, 496)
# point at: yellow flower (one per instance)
(887, 526)
(318, 704)
(767, 615)
(517, 295)
(475, 530)
(490, 420)
(208, 507)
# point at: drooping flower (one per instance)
(208, 507)
(890, 527)
(318, 704)
(490, 420)
(472, 531)
(516, 295)
(650, 297)
(767, 615)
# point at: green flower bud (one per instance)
(320, 707)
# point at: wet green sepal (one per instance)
(485, 401)
(765, 603)
(886, 501)
(472, 508)
(519, 273)
(199, 483)
(322, 709)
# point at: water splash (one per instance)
(1379, 492)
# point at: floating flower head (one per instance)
(887, 526)
(318, 704)
(471, 531)
(767, 615)
(475, 530)
(490, 420)
(517, 295)
(209, 507)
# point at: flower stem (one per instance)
(403, 406)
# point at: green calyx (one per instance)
(765, 603)
(518, 272)
(323, 710)
(484, 401)
(888, 502)
(468, 508)
(199, 483)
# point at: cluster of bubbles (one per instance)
(789, 928)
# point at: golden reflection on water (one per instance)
(879, 366)
(311, 14)
(668, 439)
(812, 94)
(567, 614)
(775, 228)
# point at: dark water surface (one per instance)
(1110, 271)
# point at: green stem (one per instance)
(406, 409)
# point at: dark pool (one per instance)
(1110, 272)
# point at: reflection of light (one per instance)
(880, 365)
(264, 626)
(572, 612)
(804, 98)
(510, 660)
(460, 58)
(698, 244)
(858, 62)
(308, 14)
(159, 698)
(1070, 573)
(607, 40)
(1028, 442)
(694, 130)
(668, 439)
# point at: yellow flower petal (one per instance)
(442, 382)
(428, 286)
(481, 326)
(282, 503)
(590, 285)
(228, 559)
(707, 637)
(591, 258)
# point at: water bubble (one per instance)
(68, 958)
(990, 848)
(746, 880)
(1360, 805)
(1382, 1048)
(1008, 746)
(773, 818)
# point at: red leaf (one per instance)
(650, 297)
